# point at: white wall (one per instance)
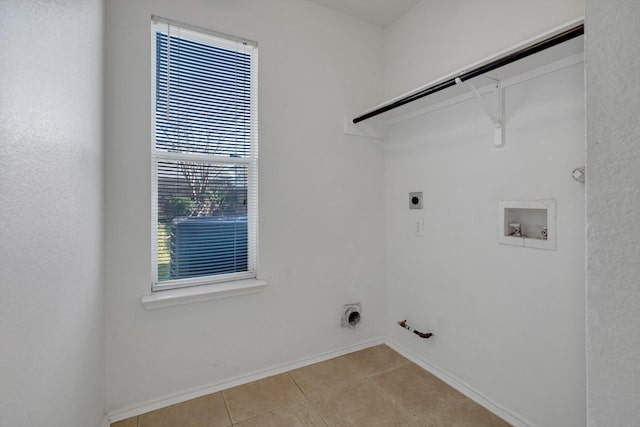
(509, 321)
(438, 37)
(613, 206)
(321, 204)
(51, 288)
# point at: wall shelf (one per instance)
(481, 78)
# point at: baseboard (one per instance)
(461, 386)
(105, 421)
(183, 396)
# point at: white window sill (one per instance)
(193, 294)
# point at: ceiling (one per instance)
(379, 12)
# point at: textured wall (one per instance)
(613, 212)
(51, 288)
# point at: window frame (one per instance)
(224, 41)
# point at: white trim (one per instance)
(135, 410)
(192, 28)
(193, 294)
(105, 421)
(173, 398)
(154, 165)
(232, 284)
(203, 280)
(461, 386)
(253, 181)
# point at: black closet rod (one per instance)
(490, 66)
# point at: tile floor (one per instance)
(369, 388)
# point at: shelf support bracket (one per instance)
(496, 118)
(361, 129)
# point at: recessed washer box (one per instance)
(531, 224)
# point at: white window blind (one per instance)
(204, 156)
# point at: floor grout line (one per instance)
(296, 383)
(413, 418)
(226, 406)
(369, 368)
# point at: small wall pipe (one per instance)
(403, 323)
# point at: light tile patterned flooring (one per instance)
(375, 387)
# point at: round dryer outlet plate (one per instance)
(351, 315)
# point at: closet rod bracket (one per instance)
(497, 118)
(361, 129)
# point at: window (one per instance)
(204, 157)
